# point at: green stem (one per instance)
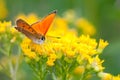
(17, 62)
(64, 76)
(38, 72)
(82, 77)
(65, 72)
(1, 50)
(53, 76)
(13, 70)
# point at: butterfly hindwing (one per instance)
(42, 26)
(28, 34)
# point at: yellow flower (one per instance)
(105, 76)
(31, 18)
(70, 53)
(50, 63)
(13, 39)
(70, 16)
(96, 63)
(13, 30)
(87, 40)
(116, 77)
(4, 26)
(79, 70)
(108, 76)
(3, 9)
(102, 45)
(87, 27)
(51, 59)
(27, 50)
(86, 45)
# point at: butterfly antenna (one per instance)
(54, 37)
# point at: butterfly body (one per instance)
(36, 32)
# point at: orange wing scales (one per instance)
(42, 27)
(21, 23)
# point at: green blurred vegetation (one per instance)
(103, 14)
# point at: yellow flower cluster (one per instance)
(79, 70)
(29, 18)
(86, 26)
(9, 47)
(4, 26)
(8, 32)
(26, 49)
(101, 45)
(107, 76)
(51, 59)
(68, 48)
(82, 24)
(68, 45)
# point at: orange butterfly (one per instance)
(36, 32)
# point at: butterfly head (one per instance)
(39, 40)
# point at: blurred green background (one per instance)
(103, 14)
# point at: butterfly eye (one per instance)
(43, 38)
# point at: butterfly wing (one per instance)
(23, 25)
(42, 27)
(26, 29)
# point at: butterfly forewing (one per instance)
(42, 26)
(26, 29)
(23, 25)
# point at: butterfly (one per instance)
(37, 31)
